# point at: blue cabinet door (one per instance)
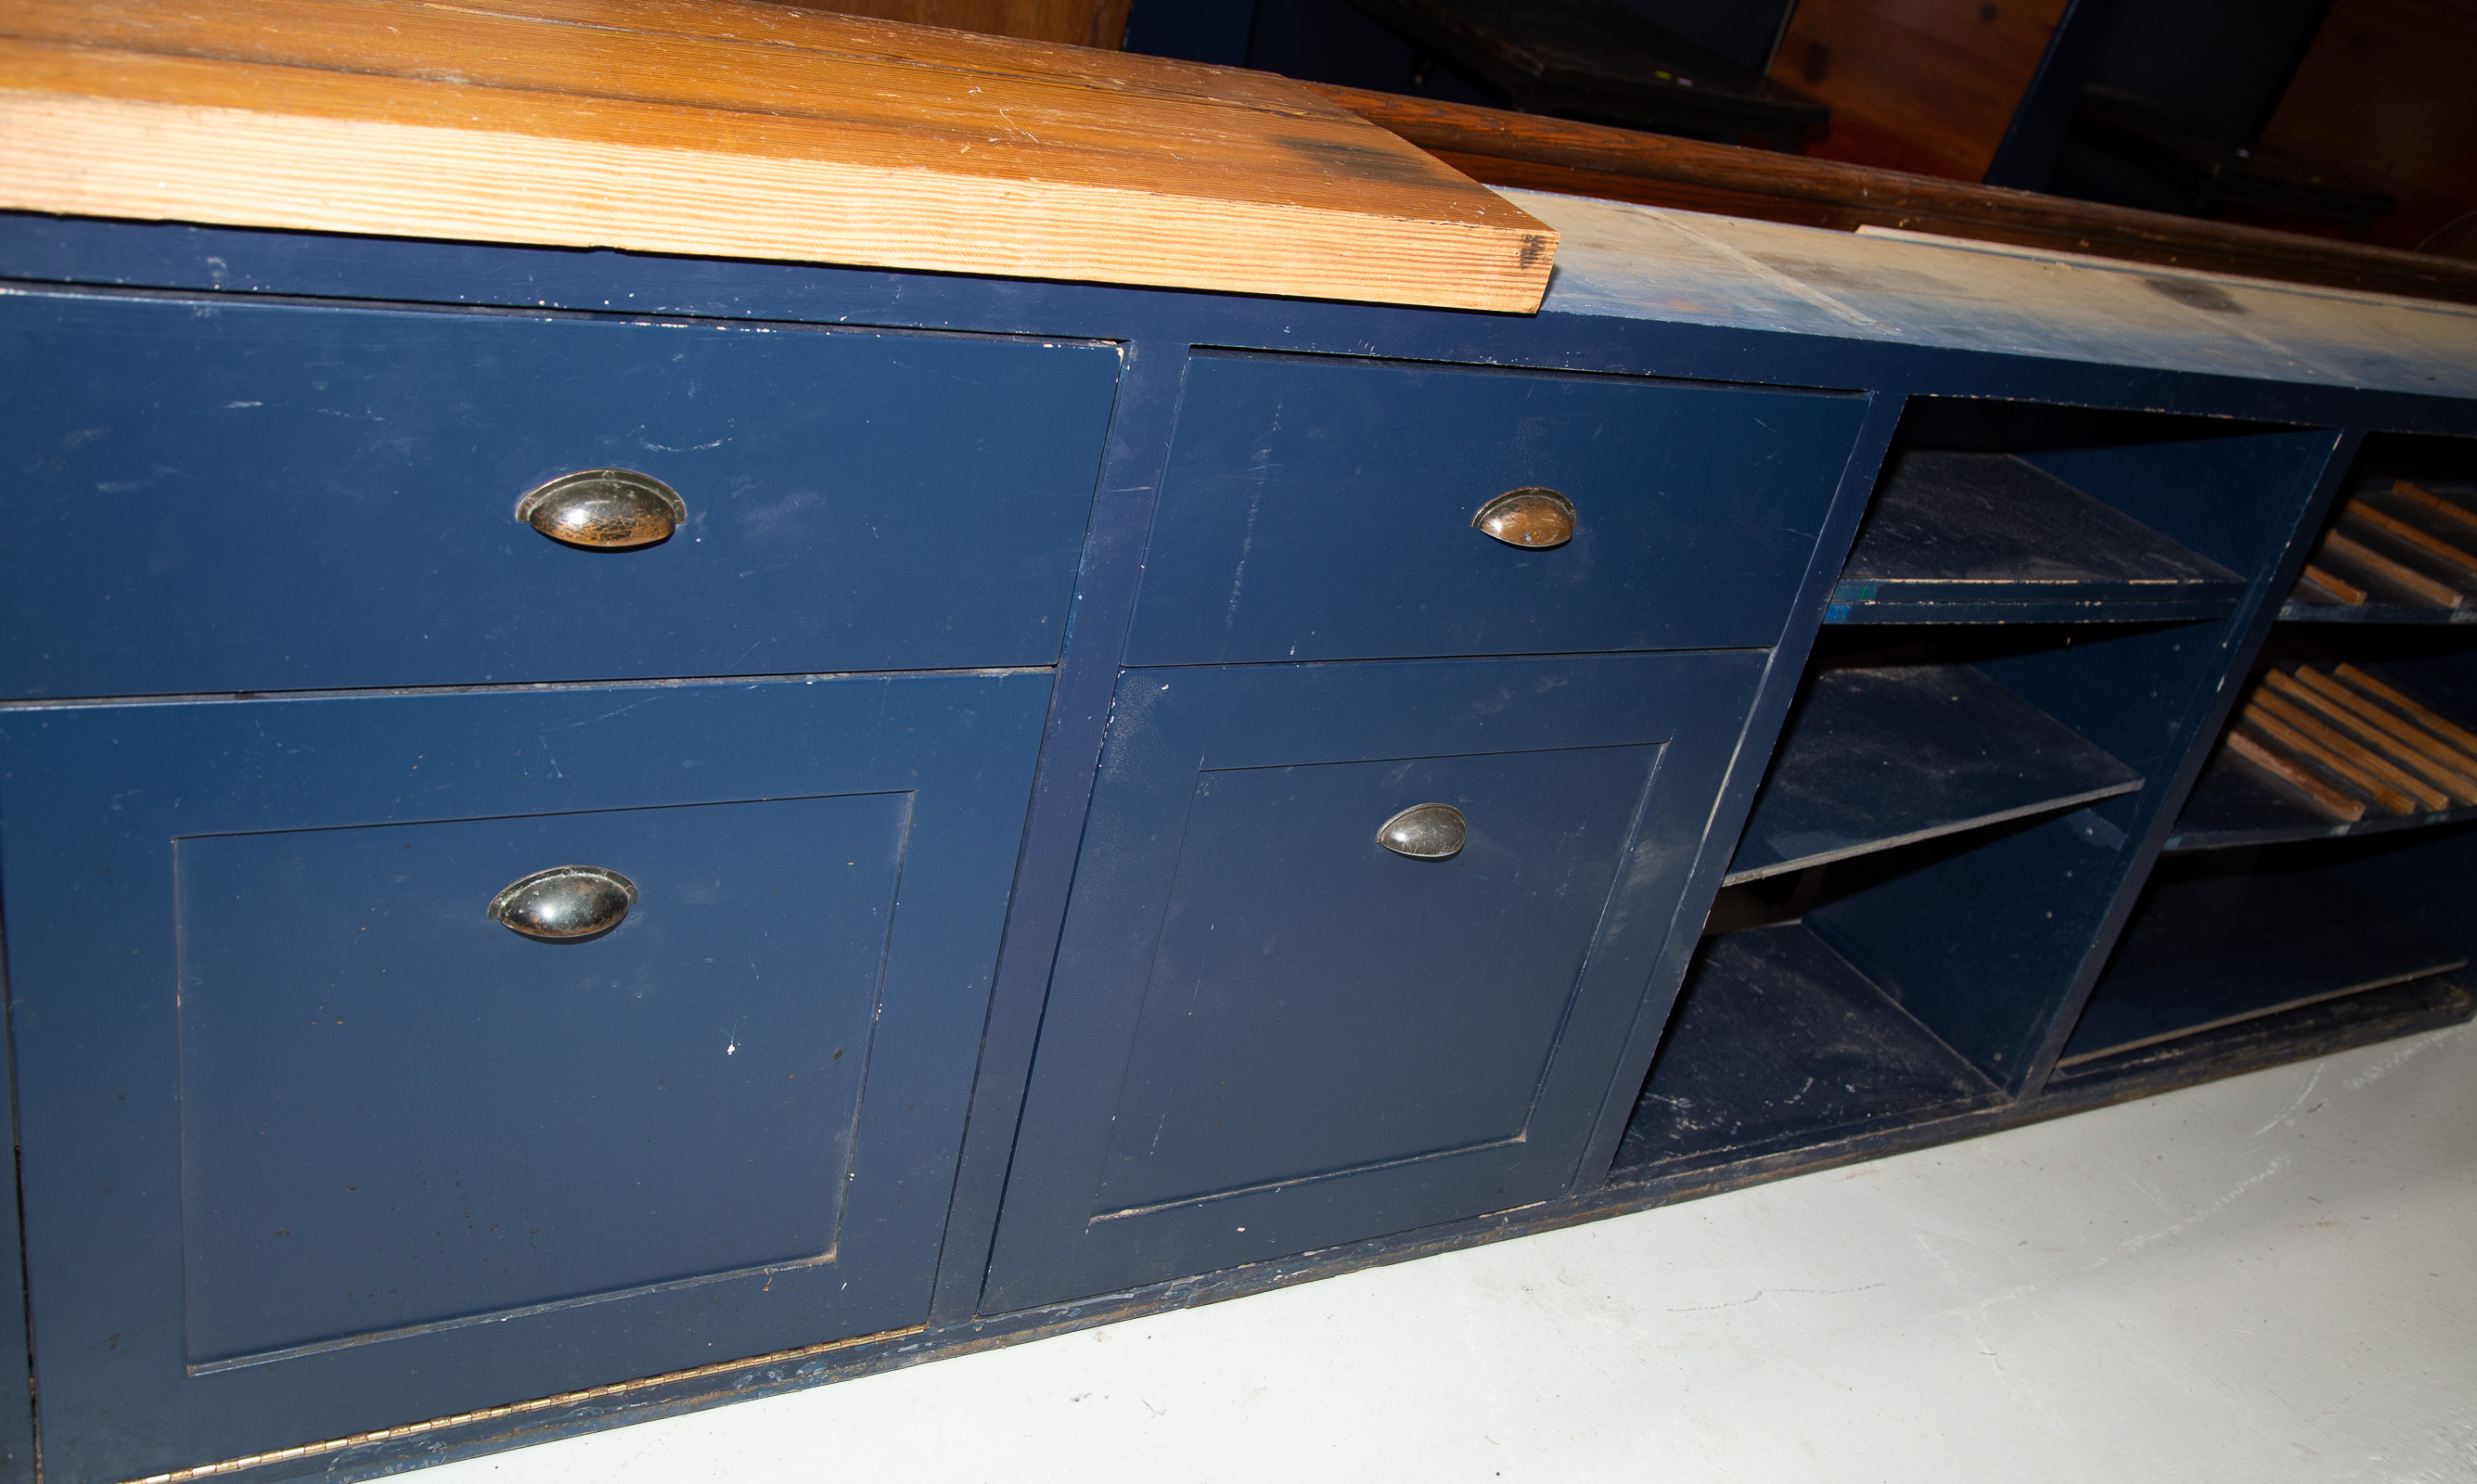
(313, 1145)
(211, 496)
(1268, 1033)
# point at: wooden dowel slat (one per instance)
(2244, 745)
(2426, 588)
(2339, 589)
(2280, 730)
(2418, 495)
(2398, 778)
(2423, 540)
(2460, 765)
(2459, 736)
(2343, 719)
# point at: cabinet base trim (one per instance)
(512, 1409)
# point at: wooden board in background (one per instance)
(1101, 23)
(1624, 164)
(2383, 98)
(1928, 85)
(739, 129)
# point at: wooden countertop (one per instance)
(1622, 260)
(739, 129)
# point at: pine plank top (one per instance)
(739, 129)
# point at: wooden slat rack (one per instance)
(2321, 752)
(2399, 551)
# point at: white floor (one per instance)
(2267, 1278)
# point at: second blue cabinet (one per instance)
(1269, 1032)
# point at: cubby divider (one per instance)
(1878, 756)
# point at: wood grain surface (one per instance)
(742, 130)
(1622, 164)
(1928, 85)
(1101, 23)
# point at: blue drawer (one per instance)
(313, 1146)
(218, 496)
(1322, 509)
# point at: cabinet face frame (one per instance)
(96, 797)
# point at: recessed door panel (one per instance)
(1268, 1033)
(311, 1145)
(397, 1112)
(1321, 1003)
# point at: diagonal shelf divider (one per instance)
(1958, 537)
(1879, 757)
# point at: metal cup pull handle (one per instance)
(564, 904)
(1424, 832)
(604, 510)
(1530, 518)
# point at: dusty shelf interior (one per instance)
(1978, 537)
(1778, 1042)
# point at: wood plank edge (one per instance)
(162, 162)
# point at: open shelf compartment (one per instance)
(1988, 537)
(1878, 756)
(2224, 938)
(1779, 1042)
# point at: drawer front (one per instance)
(216, 496)
(1268, 1033)
(313, 1145)
(1322, 509)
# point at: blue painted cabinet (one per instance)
(313, 1145)
(999, 754)
(1268, 1033)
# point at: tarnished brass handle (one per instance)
(608, 509)
(1424, 832)
(1530, 518)
(564, 902)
